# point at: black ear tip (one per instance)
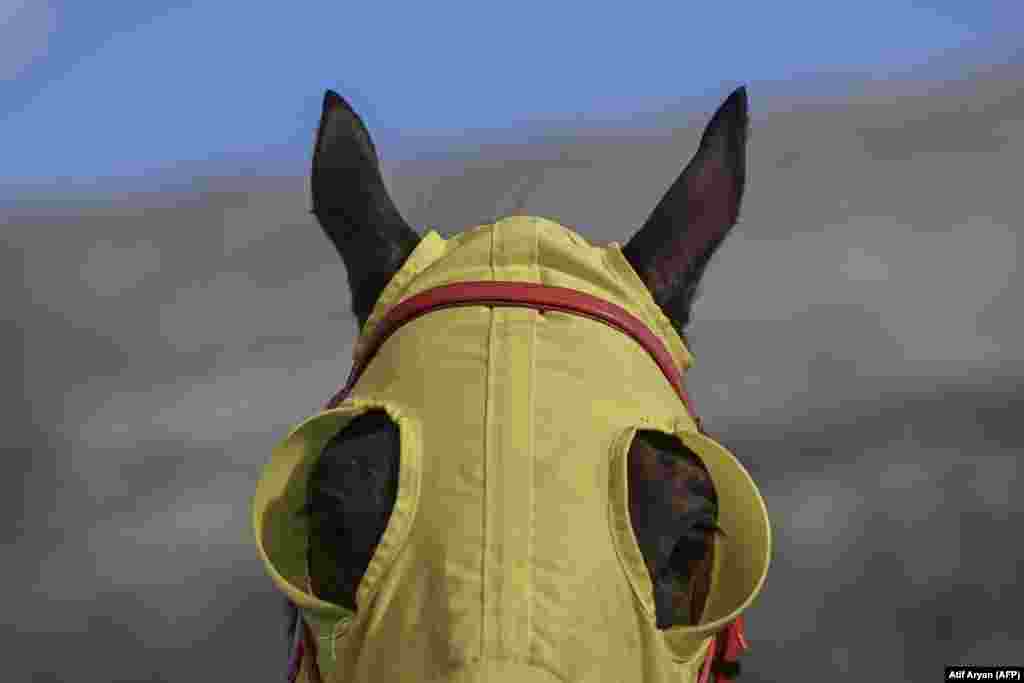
(332, 99)
(736, 103)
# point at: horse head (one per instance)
(513, 484)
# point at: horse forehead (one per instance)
(526, 249)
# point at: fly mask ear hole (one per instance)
(673, 511)
(352, 491)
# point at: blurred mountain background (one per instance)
(172, 307)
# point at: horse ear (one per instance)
(353, 206)
(671, 250)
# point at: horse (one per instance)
(352, 483)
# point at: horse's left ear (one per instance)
(671, 250)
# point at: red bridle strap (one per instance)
(521, 295)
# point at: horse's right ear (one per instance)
(353, 206)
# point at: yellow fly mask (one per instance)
(517, 362)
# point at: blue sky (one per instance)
(147, 86)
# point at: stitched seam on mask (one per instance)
(488, 436)
(531, 413)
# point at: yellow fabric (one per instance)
(509, 555)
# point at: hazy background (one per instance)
(172, 308)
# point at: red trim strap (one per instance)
(521, 295)
(300, 650)
(546, 298)
(728, 653)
